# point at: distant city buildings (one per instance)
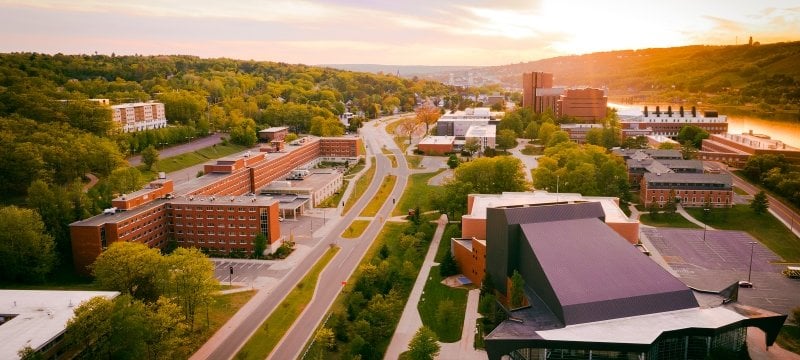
(138, 116)
(583, 104)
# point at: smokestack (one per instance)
(645, 111)
(681, 110)
(694, 111)
(658, 111)
(669, 110)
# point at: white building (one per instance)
(485, 134)
(38, 318)
(139, 116)
(458, 122)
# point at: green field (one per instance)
(387, 185)
(222, 309)
(272, 330)
(667, 220)
(186, 160)
(434, 293)
(766, 228)
(417, 193)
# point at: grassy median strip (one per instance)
(359, 188)
(383, 192)
(355, 229)
(417, 193)
(765, 227)
(274, 328)
(442, 307)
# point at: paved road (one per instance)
(182, 148)
(227, 342)
(786, 215)
(529, 162)
(353, 250)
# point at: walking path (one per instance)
(410, 321)
(465, 348)
(691, 219)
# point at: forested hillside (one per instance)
(52, 137)
(766, 77)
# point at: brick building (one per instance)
(584, 104)
(736, 149)
(150, 215)
(691, 190)
(669, 123)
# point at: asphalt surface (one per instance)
(182, 148)
(352, 250)
(228, 340)
(723, 259)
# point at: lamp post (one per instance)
(750, 269)
(705, 226)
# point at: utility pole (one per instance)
(750, 269)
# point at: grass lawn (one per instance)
(392, 126)
(360, 187)
(768, 230)
(272, 330)
(789, 338)
(355, 229)
(531, 150)
(355, 168)
(185, 160)
(334, 200)
(416, 193)
(434, 293)
(667, 220)
(380, 197)
(450, 231)
(222, 309)
(402, 143)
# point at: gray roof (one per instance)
(648, 153)
(597, 275)
(682, 164)
(690, 179)
(524, 214)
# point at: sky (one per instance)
(398, 32)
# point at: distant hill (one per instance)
(404, 70)
(767, 76)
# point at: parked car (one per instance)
(745, 284)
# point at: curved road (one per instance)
(229, 339)
(182, 148)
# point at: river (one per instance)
(787, 131)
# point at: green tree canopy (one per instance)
(423, 345)
(26, 251)
(130, 268)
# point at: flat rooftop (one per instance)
(274, 129)
(41, 316)
(688, 179)
(757, 141)
(437, 140)
(223, 200)
(318, 179)
(482, 201)
(481, 131)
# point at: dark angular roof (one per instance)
(525, 214)
(596, 275)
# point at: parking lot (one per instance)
(723, 259)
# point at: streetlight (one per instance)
(705, 226)
(750, 269)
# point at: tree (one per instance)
(446, 314)
(290, 137)
(667, 146)
(259, 245)
(27, 353)
(472, 145)
(149, 156)
(693, 134)
(448, 267)
(594, 136)
(125, 179)
(637, 142)
(423, 345)
(516, 292)
(452, 161)
(688, 151)
(427, 114)
(408, 127)
(26, 251)
(532, 130)
(558, 137)
(760, 203)
(545, 131)
(191, 281)
(130, 268)
(326, 339)
(506, 139)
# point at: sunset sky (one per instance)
(405, 32)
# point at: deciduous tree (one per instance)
(149, 157)
(423, 345)
(191, 281)
(130, 268)
(26, 251)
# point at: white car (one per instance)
(280, 218)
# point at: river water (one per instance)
(787, 131)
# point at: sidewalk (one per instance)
(410, 320)
(465, 348)
(686, 215)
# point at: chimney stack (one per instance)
(669, 110)
(681, 110)
(658, 111)
(645, 111)
(694, 111)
